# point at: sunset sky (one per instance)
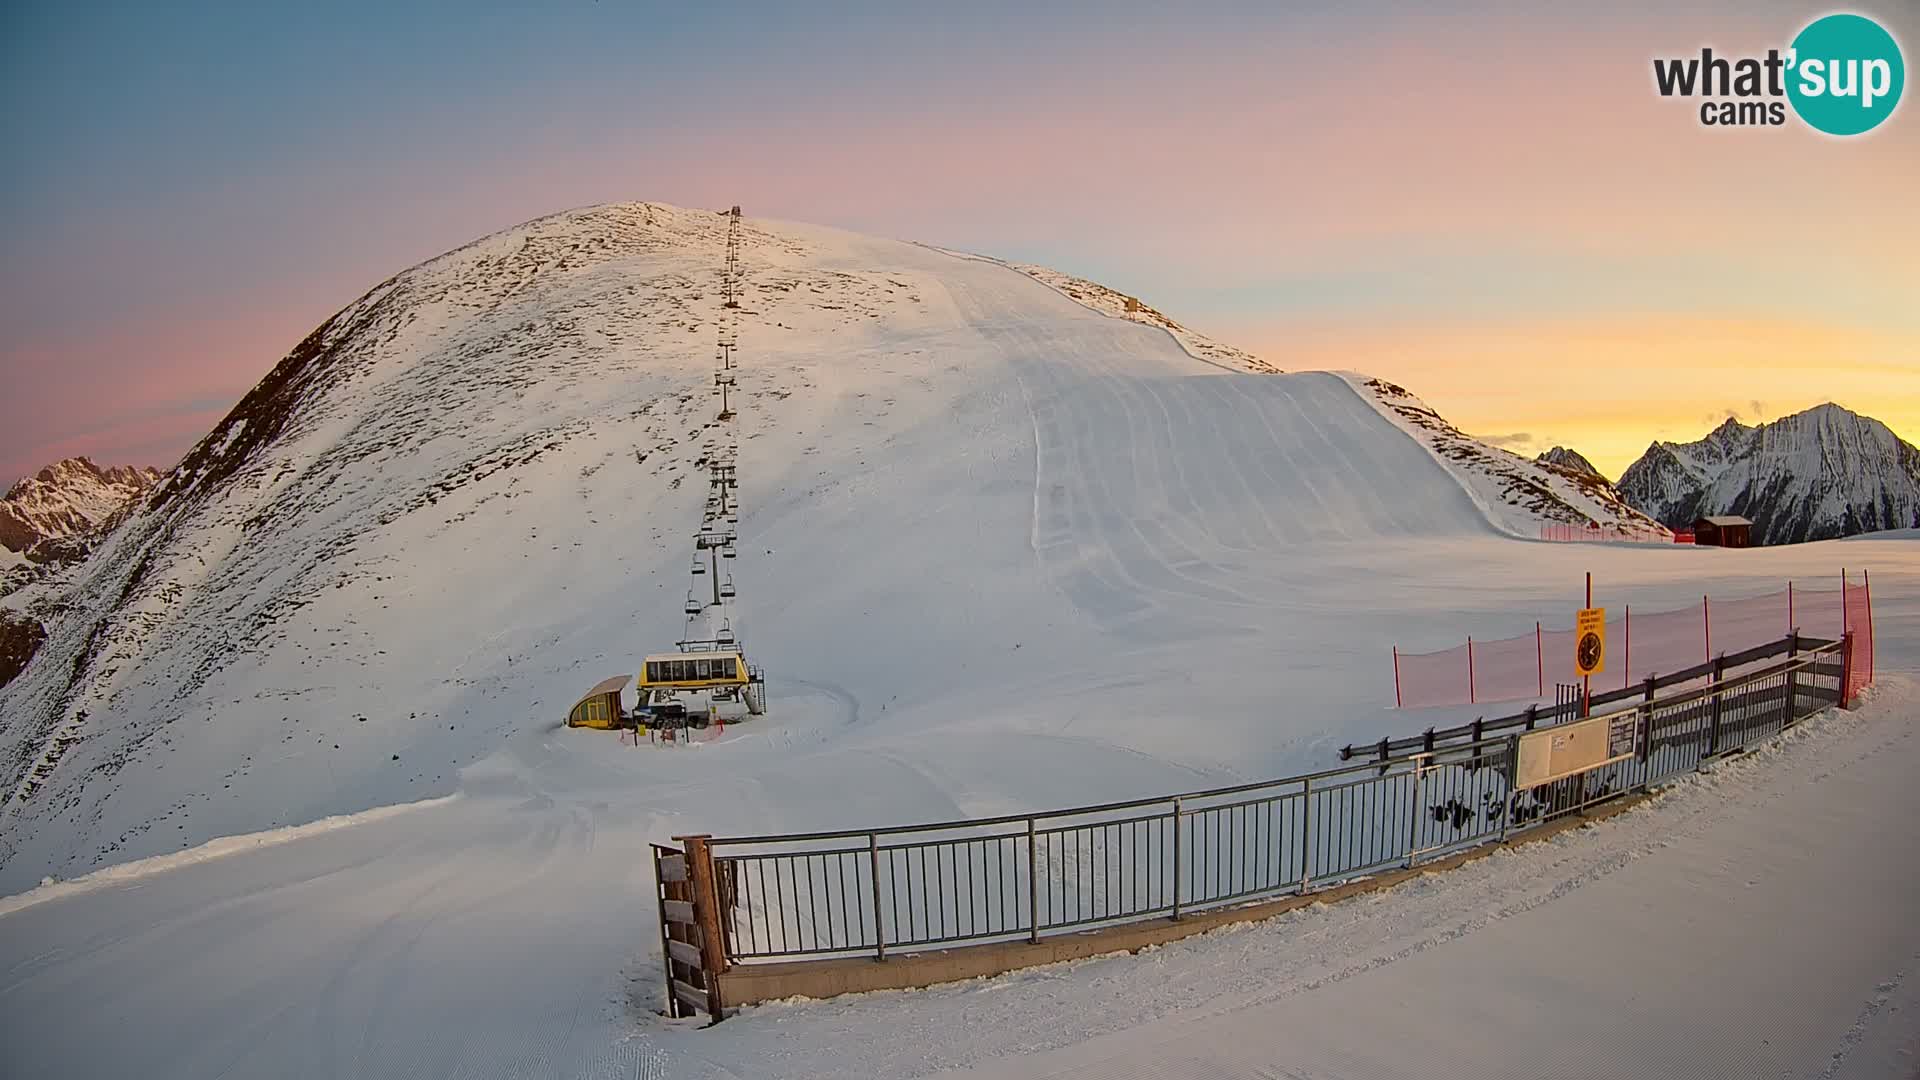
(1487, 203)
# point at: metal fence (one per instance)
(1020, 877)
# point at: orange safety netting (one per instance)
(1858, 602)
(1639, 645)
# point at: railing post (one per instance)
(1033, 883)
(1306, 833)
(706, 911)
(1176, 857)
(1513, 779)
(1846, 665)
(1413, 817)
(1713, 732)
(873, 869)
(1793, 680)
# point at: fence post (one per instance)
(1539, 662)
(1513, 778)
(1033, 883)
(1479, 734)
(1413, 818)
(706, 910)
(1306, 832)
(1846, 668)
(1176, 857)
(1793, 679)
(1532, 710)
(1472, 694)
(1706, 624)
(1626, 667)
(879, 928)
(1713, 732)
(1385, 753)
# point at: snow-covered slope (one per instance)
(67, 498)
(971, 504)
(1516, 494)
(1815, 475)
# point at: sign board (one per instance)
(1623, 735)
(1590, 641)
(1565, 749)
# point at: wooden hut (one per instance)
(600, 707)
(1723, 530)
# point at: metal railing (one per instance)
(1016, 877)
(1534, 716)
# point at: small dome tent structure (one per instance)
(600, 706)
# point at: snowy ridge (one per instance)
(1516, 494)
(1121, 306)
(1815, 475)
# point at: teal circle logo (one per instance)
(1845, 74)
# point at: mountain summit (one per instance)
(1815, 475)
(1571, 460)
(68, 498)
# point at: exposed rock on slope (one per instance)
(1570, 460)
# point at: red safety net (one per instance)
(1639, 644)
(1858, 603)
(1594, 532)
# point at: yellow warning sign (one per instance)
(1590, 641)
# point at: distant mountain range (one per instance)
(66, 499)
(1815, 475)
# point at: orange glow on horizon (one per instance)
(1609, 389)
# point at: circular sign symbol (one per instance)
(1589, 651)
(1845, 74)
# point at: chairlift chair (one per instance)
(699, 565)
(726, 588)
(693, 606)
(725, 636)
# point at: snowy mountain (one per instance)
(1815, 475)
(1572, 460)
(467, 497)
(67, 498)
(1516, 494)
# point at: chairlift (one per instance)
(693, 606)
(725, 636)
(726, 588)
(699, 565)
(726, 550)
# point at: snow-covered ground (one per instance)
(999, 552)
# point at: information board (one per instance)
(1565, 749)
